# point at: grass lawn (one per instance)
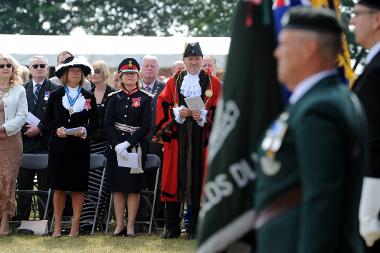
(94, 243)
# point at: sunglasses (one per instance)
(42, 66)
(6, 65)
(98, 71)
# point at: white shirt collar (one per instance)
(308, 83)
(151, 85)
(372, 53)
(35, 83)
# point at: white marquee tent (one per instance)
(111, 49)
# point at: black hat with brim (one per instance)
(193, 49)
(74, 62)
(313, 19)
(370, 3)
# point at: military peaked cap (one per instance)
(128, 65)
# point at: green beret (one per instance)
(370, 3)
(308, 18)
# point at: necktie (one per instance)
(147, 89)
(36, 92)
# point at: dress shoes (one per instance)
(171, 233)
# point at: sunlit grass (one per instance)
(94, 243)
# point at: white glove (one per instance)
(122, 146)
(369, 210)
(124, 154)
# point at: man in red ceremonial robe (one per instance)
(184, 128)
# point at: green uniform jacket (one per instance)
(322, 151)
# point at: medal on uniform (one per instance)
(72, 100)
(208, 93)
(46, 95)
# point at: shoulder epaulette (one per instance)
(112, 93)
(147, 93)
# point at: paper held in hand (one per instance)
(131, 162)
(31, 119)
(195, 103)
(73, 131)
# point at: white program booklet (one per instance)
(31, 119)
(73, 131)
(195, 103)
(131, 162)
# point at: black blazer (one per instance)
(99, 135)
(38, 143)
(157, 89)
(367, 88)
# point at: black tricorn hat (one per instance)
(370, 3)
(192, 49)
(74, 62)
(308, 18)
(128, 65)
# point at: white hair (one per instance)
(40, 57)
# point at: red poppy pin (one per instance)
(136, 102)
(87, 106)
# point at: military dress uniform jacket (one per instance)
(317, 145)
(38, 143)
(132, 110)
(367, 88)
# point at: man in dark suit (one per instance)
(366, 20)
(34, 134)
(150, 84)
(311, 160)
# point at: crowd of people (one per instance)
(309, 194)
(76, 113)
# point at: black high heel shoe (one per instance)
(123, 232)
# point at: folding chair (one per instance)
(152, 162)
(36, 162)
(94, 194)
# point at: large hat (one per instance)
(192, 49)
(74, 62)
(308, 18)
(370, 3)
(128, 65)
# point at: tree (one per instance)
(117, 17)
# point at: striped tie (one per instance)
(36, 92)
(147, 89)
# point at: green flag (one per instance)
(251, 100)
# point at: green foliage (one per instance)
(117, 17)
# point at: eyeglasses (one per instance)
(356, 13)
(42, 66)
(6, 65)
(98, 71)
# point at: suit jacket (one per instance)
(157, 89)
(367, 88)
(323, 152)
(38, 143)
(15, 109)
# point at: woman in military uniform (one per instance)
(127, 122)
(72, 115)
